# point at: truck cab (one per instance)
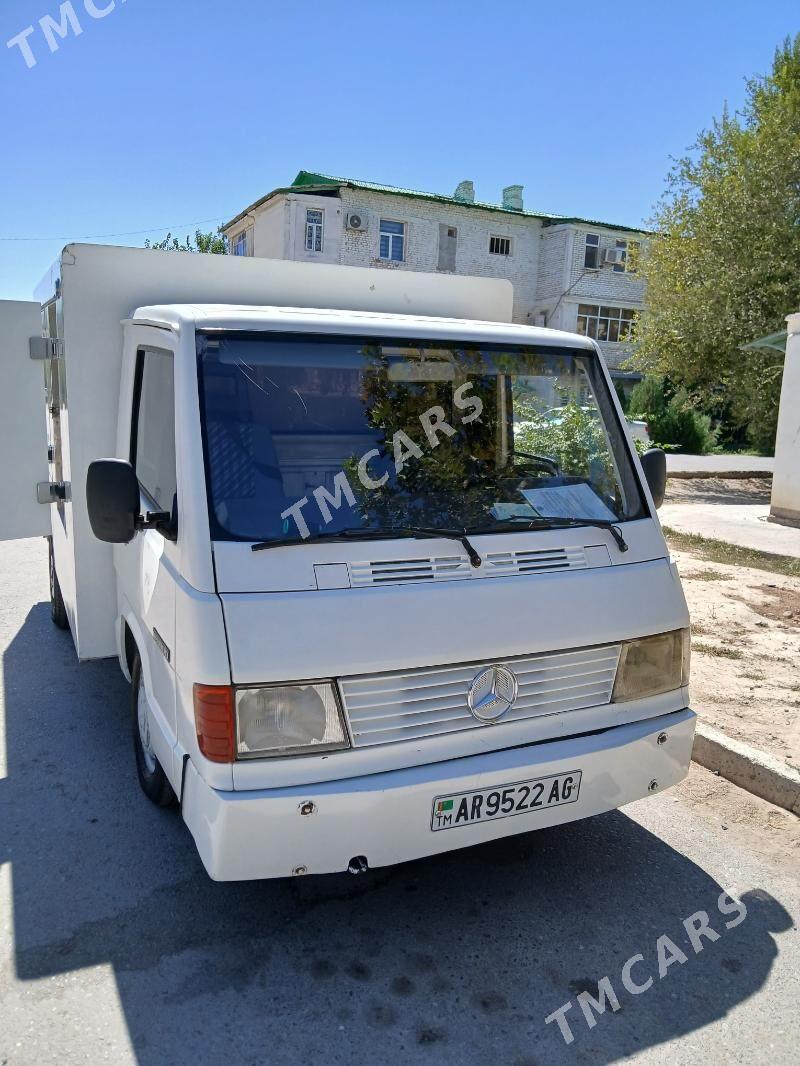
(374, 599)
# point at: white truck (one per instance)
(372, 606)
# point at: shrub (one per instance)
(647, 397)
(673, 420)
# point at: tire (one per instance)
(58, 612)
(152, 778)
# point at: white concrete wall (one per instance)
(785, 504)
(331, 206)
(269, 231)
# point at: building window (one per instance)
(392, 240)
(630, 253)
(500, 246)
(240, 243)
(313, 231)
(591, 253)
(605, 323)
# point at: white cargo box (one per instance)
(80, 306)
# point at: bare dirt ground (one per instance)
(745, 636)
(718, 490)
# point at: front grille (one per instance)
(409, 705)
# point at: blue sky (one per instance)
(160, 115)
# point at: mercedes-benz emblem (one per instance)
(492, 693)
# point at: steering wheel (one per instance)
(538, 462)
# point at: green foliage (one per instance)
(206, 243)
(573, 437)
(649, 396)
(457, 482)
(622, 395)
(683, 425)
(449, 480)
(672, 418)
(722, 267)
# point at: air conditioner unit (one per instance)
(356, 220)
(614, 256)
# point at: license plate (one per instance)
(504, 801)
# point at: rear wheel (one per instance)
(151, 775)
(58, 612)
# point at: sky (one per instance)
(167, 116)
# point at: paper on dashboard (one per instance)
(568, 501)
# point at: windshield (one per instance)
(309, 434)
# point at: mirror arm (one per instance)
(161, 521)
(152, 519)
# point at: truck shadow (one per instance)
(459, 957)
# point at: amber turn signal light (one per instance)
(215, 722)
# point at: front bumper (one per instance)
(386, 817)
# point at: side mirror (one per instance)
(654, 464)
(112, 498)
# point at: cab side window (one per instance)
(153, 428)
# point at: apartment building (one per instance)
(575, 274)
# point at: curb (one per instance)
(747, 767)
(731, 475)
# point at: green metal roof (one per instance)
(776, 342)
(310, 181)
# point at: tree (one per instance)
(208, 243)
(448, 485)
(722, 267)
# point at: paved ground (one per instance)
(714, 465)
(744, 524)
(117, 948)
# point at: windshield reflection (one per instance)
(306, 434)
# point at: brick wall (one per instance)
(605, 286)
(422, 219)
(546, 264)
(553, 250)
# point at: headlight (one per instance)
(652, 665)
(288, 720)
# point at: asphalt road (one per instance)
(117, 948)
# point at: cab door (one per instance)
(147, 567)
(23, 425)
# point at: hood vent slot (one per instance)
(392, 571)
(535, 562)
(457, 567)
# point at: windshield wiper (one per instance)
(388, 533)
(559, 522)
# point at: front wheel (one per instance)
(151, 775)
(58, 611)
